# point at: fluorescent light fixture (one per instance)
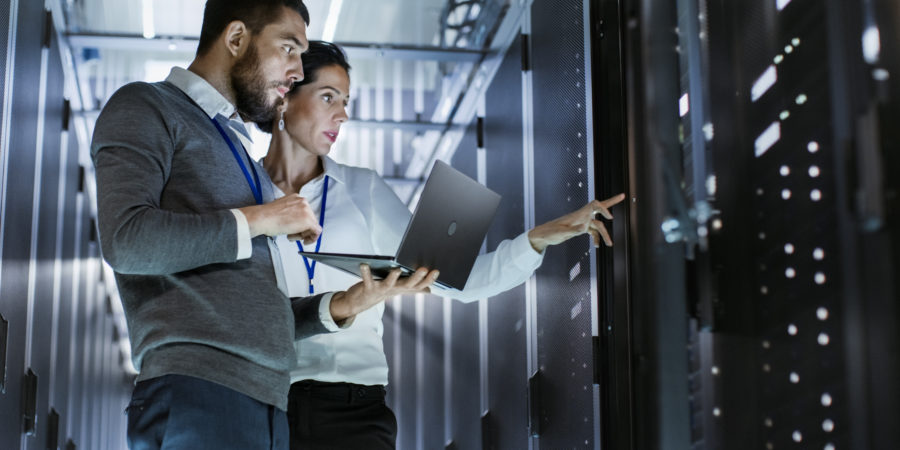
(871, 44)
(684, 105)
(147, 13)
(780, 4)
(767, 139)
(763, 83)
(334, 11)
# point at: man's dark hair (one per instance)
(256, 14)
(319, 55)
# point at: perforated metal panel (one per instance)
(4, 44)
(561, 185)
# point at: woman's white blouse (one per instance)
(364, 216)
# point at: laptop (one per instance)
(445, 233)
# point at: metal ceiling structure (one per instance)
(408, 84)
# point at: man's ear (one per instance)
(237, 37)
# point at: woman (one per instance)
(337, 396)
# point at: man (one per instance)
(183, 216)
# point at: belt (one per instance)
(344, 390)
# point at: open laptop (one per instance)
(445, 232)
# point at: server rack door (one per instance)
(17, 210)
(78, 356)
(659, 320)
(407, 383)
(430, 396)
(44, 238)
(465, 364)
(613, 363)
(67, 311)
(784, 135)
(507, 339)
(465, 423)
(783, 339)
(562, 171)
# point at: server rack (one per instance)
(773, 115)
(63, 383)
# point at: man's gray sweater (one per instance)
(166, 181)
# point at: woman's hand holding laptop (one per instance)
(369, 292)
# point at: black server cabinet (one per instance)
(807, 298)
(778, 114)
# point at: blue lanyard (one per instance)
(311, 267)
(256, 188)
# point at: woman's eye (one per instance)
(327, 98)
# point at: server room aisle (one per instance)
(750, 300)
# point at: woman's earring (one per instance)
(281, 122)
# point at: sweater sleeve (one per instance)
(132, 150)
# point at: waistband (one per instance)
(349, 391)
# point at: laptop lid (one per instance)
(449, 225)
(445, 233)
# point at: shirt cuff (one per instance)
(245, 246)
(326, 318)
(524, 255)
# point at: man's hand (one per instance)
(290, 215)
(367, 293)
(575, 224)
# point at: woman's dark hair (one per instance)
(256, 14)
(319, 55)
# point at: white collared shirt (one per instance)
(363, 215)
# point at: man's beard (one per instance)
(250, 96)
